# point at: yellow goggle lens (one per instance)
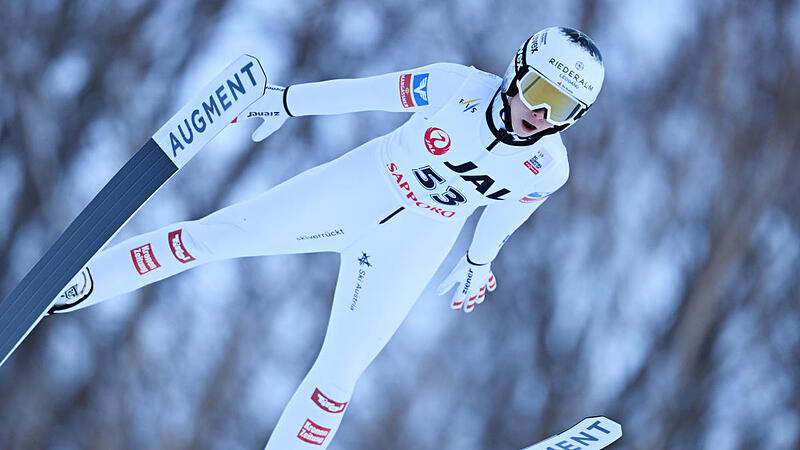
(537, 92)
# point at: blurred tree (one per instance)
(658, 287)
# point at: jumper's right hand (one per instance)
(471, 281)
(270, 109)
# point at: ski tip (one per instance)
(266, 78)
(591, 433)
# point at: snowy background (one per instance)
(659, 287)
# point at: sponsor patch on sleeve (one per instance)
(322, 400)
(420, 89)
(312, 433)
(405, 90)
(414, 90)
(535, 197)
(178, 249)
(144, 259)
(540, 161)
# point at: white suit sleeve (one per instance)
(500, 220)
(497, 223)
(410, 91)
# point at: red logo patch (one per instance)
(327, 404)
(405, 91)
(313, 433)
(530, 166)
(437, 141)
(144, 260)
(176, 245)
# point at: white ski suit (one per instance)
(392, 208)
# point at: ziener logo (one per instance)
(437, 141)
(176, 245)
(327, 404)
(313, 433)
(144, 260)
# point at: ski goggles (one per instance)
(537, 92)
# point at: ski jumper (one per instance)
(392, 208)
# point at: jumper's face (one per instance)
(524, 121)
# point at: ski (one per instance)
(169, 149)
(590, 433)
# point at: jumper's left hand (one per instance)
(472, 281)
(270, 109)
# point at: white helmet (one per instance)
(559, 69)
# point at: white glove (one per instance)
(270, 109)
(472, 281)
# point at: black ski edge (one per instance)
(119, 199)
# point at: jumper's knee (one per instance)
(339, 371)
(198, 240)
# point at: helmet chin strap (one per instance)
(505, 112)
(498, 118)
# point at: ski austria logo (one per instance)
(327, 404)
(144, 260)
(437, 141)
(362, 275)
(313, 433)
(176, 245)
(364, 260)
(414, 90)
